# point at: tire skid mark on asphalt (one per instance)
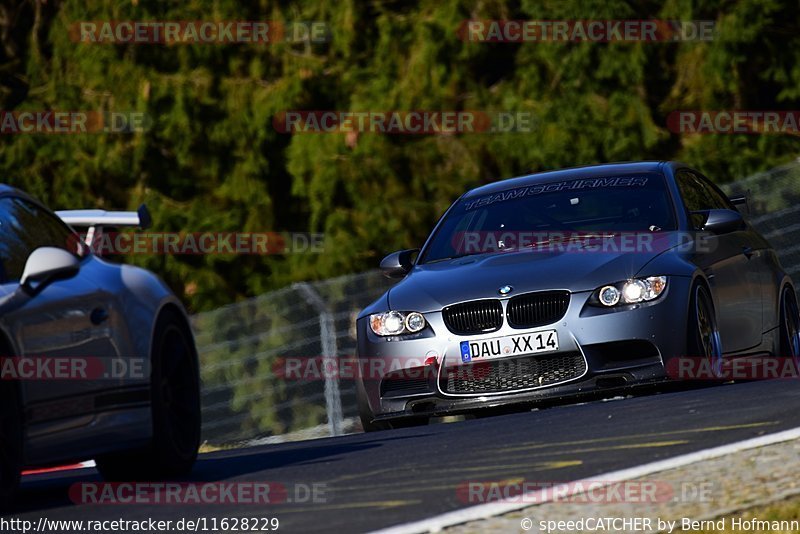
(414, 482)
(539, 445)
(534, 467)
(555, 464)
(366, 474)
(437, 473)
(537, 466)
(442, 468)
(625, 446)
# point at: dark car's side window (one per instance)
(718, 198)
(24, 227)
(699, 195)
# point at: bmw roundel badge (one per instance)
(505, 290)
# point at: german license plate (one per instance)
(530, 343)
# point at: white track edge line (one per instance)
(535, 498)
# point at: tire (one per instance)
(175, 405)
(703, 332)
(11, 431)
(790, 326)
(367, 423)
(366, 415)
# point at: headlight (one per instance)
(396, 323)
(631, 291)
(414, 322)
(609, 295)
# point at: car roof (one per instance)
(5, 189)
(572, 173)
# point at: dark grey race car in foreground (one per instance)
(97, 358)
(567, 282)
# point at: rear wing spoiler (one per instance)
(741, 199)
(96, 220)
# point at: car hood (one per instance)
(578, 267)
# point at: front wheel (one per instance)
(175, 405)
(366, 415)
(790, 326)
(367, 423)
(704, 339)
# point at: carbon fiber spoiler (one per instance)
(96, 220)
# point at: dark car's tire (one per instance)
(366, 416)
(11, 431)
(703, 334)
(367, 423)
(175, 402)
(790, 326)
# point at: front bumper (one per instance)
(620, 347)
(436, 405)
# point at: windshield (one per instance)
(530, 215)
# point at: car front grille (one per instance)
(505, 375)
(537, 309)
(474, 317)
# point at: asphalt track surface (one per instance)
(388, 478)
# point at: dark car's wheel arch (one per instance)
(171, 311)
(159, 460)
(170, 308)
(783, 284)
(779, 281)
(783, 346)
(700, 281)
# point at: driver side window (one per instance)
(24, 227)
(698, 195)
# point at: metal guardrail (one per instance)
(241, 346)
(246, 401)
(774, 210)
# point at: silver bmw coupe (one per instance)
(567, 282)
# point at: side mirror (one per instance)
(722, 221)
(397, 264)
(45, 265)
